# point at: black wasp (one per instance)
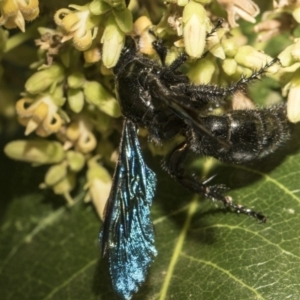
(161, 99)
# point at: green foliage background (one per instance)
(51, 252)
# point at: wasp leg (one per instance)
(174, 165)
(212, 92)
(218, 25)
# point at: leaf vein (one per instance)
(177, 249)
(230, 275)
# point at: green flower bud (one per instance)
(172, 54)
(55, 174)
(75, 99)
(124, 19)
(194, 29)
(229, 47)
(96, 94)
(65, 186)
(98, 7)
(213, 44)
(249, 57)
(293, 106)
(113, 40)
(37, 152)
(217, 51)
(229, 66)
(293, 102)
(44, 79)
(99, 184)
(286, 58)
(97, 171)
(76, 80)
(58, 95)
(76, 160)
(202, 71)
(242, 71)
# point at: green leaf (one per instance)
(204, 252)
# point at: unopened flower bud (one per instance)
(249, 57)
(99, 184)
(285, 57)
(55, 174)
(37, 152)
(213, 44)
(194, 29)
(229, 66)
(229, 47)
(293, 107)
(202, 71)
(76, 80)
(113, 40)
(242, 71)
(293, 101)
(75, 99)
(42, 80)
(75, 160)
(96, 94)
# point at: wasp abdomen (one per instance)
(250, 134)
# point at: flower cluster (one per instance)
(285, 17)
(70, 94)
(104, 22)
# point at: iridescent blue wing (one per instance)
(127, 238)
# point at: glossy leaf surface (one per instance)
(50, 252)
